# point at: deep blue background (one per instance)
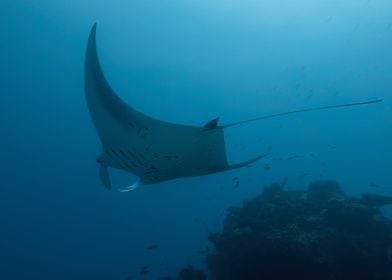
(185, 62)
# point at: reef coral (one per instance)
(190, 273)
(320, 233)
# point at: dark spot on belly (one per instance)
(142, 131)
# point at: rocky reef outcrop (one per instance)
(320, 233)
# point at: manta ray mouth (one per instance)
(131, 187)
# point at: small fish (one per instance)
(152, 247)
(329, 19)
(144, 270)
(237, 184)
(201, 252)
(292, 157)
(267, 167)
(374, 185)
(235, 179)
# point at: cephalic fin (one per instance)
(104, 175)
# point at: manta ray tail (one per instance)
(301, 111)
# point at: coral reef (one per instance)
(190, 273)
(320, 234)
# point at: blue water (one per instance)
(185, 62)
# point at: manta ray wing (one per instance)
(153, 150)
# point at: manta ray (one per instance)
(154, 150)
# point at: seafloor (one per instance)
(320, 233)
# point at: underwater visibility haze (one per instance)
(302, 196)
